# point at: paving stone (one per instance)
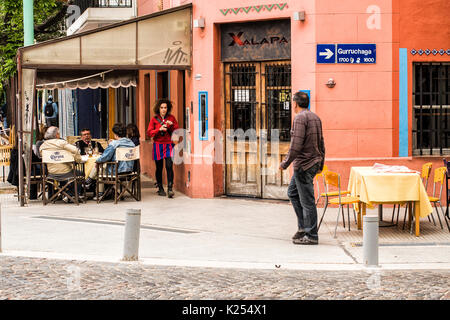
(40, 279)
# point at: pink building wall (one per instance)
(360, 114)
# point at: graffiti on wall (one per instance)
(255, 8)
(176, 55)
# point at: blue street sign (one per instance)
(356, 53)
(326, 53)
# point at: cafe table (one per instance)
(89, 163)
(373, 187)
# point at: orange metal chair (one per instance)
(327, 194)
(12, 136)
(334, 179)
(320, 175)
(5, 158)
(439, 178)
(425, 175)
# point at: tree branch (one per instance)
(57, 17)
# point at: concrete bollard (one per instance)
(370, 241)
(131, 239)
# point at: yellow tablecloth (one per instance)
(374, 188)
(89, 164)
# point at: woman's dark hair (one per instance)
(41, 133)
(158, 104)
(132, 131)
(302, 99)
(120, 130)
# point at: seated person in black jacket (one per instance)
(86, 141)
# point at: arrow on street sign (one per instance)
(326, 53)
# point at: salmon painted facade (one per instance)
(388, 105)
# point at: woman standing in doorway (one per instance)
(160, 128)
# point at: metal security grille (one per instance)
(84, 4)
(431, 102)
(243, 96)
(278, 100)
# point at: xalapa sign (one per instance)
(256, 41)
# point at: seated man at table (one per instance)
(120, 141)
(53, 142)
(86, 142)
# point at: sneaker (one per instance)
(66, 199)
(88, 183)
(161, 191)
(306, 241)
(95, 198)
(299, 235)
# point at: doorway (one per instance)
(258, 123)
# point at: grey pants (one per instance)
(301, 194)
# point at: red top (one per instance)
(154, 125)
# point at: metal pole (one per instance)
(370, 241)
(131, 239)
(19, 128)
(28, 23)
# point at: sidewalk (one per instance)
(220, 232)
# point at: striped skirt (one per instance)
(162, 150)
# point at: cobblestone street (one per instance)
(33, 278)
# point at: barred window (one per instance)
(431, 114)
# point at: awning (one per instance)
(105, 57)
(81, 79)
(160, 40)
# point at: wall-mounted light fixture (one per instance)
(199, 23)
(330, 83)
(299, 16)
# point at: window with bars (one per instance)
(243, 96)
(278, 100)
(431, 114)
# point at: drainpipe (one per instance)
(28, 23)
(135, 8)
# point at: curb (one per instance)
(228, 264)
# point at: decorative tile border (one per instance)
(257, 8)
(428, 52)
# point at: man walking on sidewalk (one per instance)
(307, 151)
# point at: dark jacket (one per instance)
(135, 141)
(80, 144)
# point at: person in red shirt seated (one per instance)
(160, 128)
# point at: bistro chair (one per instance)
(439, 177)
(5, 158)
(12, 135)
(120, 183)
(425, 175)
(334, 179)
(447, 165)
(319, 176)
(36, 179)
(61, 184)
(327, 194)
(72, 139)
